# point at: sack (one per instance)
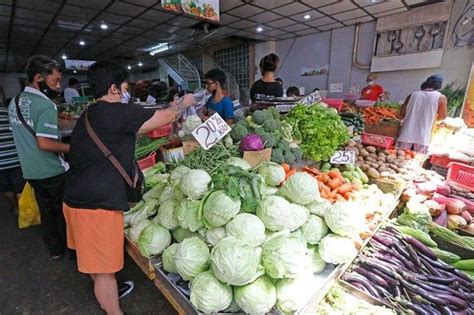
(28, 211)
(135, 192)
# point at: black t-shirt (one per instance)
(261, 89)
(92, 181)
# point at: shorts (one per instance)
(97, 236)
(12, 180)
(412, 146)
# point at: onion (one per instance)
(469, 203)
(455, 206)
(456, 222)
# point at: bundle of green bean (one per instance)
(144, 146)
(211, 160)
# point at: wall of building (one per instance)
(335, 48)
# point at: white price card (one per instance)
(211, 131)
(343, 157)
(311, 99)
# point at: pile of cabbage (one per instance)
(249, 260)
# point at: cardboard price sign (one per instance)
(343, 157)
(311, 99)
(211, 131)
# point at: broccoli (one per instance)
(258, 117)
(238, 132)
(297, 153)
(277, 156)
(270, 125)
(272, 112)
(243, 122)
(268, 140)
(277, 135)
(284, 145)
(290, 157)
(259, 131)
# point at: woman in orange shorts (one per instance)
(95, 193)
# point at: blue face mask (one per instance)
(125, 98)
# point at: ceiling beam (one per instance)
(10, 27)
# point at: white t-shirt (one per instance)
(69, 93)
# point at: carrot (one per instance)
(344, 188)
(326, 189)
(334, 174)
(323, 193)
(347, 195)
(291, 172)
(339, 198)
(335, 183)
(286, 167)
(310, 170)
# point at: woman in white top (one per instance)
(419, 112)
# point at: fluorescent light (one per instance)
(259, 29)
(104, 26)
(82, 43)
(75, 71)
(129, 67)
(307, 17)
(64, 57)
(140, 64)
(158, 48)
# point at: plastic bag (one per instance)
(28, 211)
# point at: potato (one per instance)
(382, 159)
(372, 172)
(351, 143)
(380, 163)
(354, 149)
(370, 159)
(381, 154)
(360, 158)
(373, 155)
(371, 149)
(390, 158)
(372, 164)
(382, 168)
(359, 146)
(394, 167)
(400, 153)
(403, 170)
(386, 152)
(364, 152)
(365, 167)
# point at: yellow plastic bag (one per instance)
(28, 211)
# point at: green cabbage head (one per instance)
(294, 294)
(273, 173)
(318, 263)
(181, 234)
(168, 258)
(235, 263)
(166, 216)
(257, 297)
(189, 216)
(314, 229)
(336, 249)
(278, 214)
(248, 228)
(208, 294)
(213, 236)
(195, 184)
(191, 258)
(153, 240)
(301, 188)
(236, 161)
(219, 208)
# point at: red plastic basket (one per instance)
(377, 140)
(161, 132)
(442, 161)
(462, 175)
(147, 162)
(336, 103)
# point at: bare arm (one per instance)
(403, 109)
(166, 116)
(442, 108)
(230, 121)
(51, 145)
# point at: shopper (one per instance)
(279, 80)
(373, 91)
(71, 90)
(218, 102)
(11, 178)
(293, 91)
(35, 131)
(267, 86)
(96, 193)
(420, 111)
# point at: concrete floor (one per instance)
(32, 283)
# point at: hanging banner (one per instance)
(204, 9)
(468, 104)
(79, 65)
(309, 71)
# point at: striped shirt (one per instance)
(8, 156)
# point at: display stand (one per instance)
(145, 264)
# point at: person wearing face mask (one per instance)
(95, 194)
(125, 97)
(218, 102)
(34, 124)
(373, 91)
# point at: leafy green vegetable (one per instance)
(257, 297)
(168, 258)
(153, 240)
(191, 258)
(301, 188)
(314, 229)
(278, 214)
(320, 130)
(336, 249)
(248, 228)
(219, 208)
(189, 216)
(209, 295)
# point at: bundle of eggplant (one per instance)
(404, 273)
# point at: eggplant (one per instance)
(446, 310)
(442, 280)
(430, 296)
(401, 259)
(445, 288)
(351, 277)
(391, 280)
(430, 268)
(420, 247)
(372, 276)
(401, 250)
(360, 287)
(414, 307)
(431, 309)
(414, 256)
(382, 240)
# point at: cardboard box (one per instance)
(171, 155)
(189, 146)
(256, 157)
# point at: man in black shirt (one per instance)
(95, 194)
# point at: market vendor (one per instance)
(96, 193)
(419, 112)
(267, 85)
(373, 91)
(218, 102)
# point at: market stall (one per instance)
(287, 213)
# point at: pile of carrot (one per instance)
(332, 185)
(373, 115)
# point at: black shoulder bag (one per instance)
(136, 186)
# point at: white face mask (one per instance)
(370, 82)
(125, 97)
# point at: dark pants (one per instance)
(49, 196)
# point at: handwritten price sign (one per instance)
(311, 99)
(343, 157)
(211, 131)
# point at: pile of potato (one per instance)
(378, 162)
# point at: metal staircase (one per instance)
(182, 71)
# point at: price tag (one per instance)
(311, 99)
(343, 157)
(211, 131)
